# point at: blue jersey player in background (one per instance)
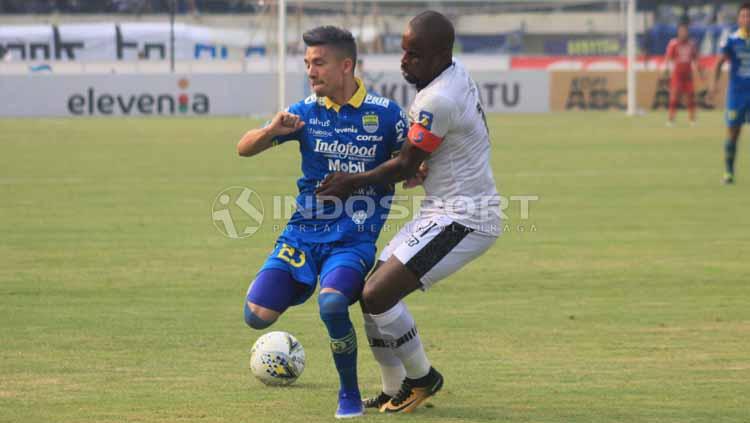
(737, 52)
(340, 128)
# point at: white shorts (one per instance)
(435, 247)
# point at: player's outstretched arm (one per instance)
(400, 168)
(260, 139)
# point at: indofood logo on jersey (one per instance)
(343, 151)
(94, 102)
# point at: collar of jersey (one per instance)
(442, 74)
(742, 33)
(356, 101)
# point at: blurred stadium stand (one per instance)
(555, 46)
(126, 6)
(505, 27)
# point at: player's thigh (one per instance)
(736, 113)
(471, 247)
(299, 261)
(387, 285)
(398, 239)
(345, 267)
(272, 292)
(674, 92)
(439, 248)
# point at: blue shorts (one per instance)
(309, 261)
(738, 107)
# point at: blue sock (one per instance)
(730, 149)
(334, 311)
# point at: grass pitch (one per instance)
(624, 297)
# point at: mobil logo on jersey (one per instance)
(348, 166)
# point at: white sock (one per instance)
(392, 372)
(396, 326)
(416, 364)
(392, 378)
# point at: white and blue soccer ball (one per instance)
(277, 359)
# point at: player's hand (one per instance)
(337, 184)
(418, 178)
(285, 123)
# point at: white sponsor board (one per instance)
(501, 91)
(240, 94)
(142, 95)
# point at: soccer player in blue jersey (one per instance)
(736, 51)
(340, 128)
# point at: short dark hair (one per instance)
(744, 6)
(338, 38)
(684, 22)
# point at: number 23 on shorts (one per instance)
(291, 255)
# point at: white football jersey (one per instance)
(459, 182)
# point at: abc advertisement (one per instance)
(607, 90)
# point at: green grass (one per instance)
(624, 297)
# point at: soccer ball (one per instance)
(277, 359)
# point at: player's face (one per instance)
(743, 19)
(413, 60)
(682, 33)
(325, 70)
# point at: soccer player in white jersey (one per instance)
(458, 221)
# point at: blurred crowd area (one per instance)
(127, 6)
(570, 28)
(703, 11)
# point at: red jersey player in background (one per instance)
(683, 53)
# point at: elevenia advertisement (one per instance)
(168, 102)
(138, 95)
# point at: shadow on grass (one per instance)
(453, 412)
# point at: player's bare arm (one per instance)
(405, 166)
(717, 76)
(419, 178)
(667, 59)
(698, 69)
(260, 139)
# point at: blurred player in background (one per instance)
(682, 53)
(736, 51)
(339, 127)
(457, 222)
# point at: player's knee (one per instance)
(333, 305)
(371, 301)
(254, 319)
